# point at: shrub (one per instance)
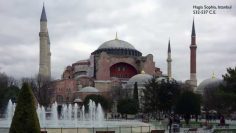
(25, 119)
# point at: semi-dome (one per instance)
(141, 79)
(117, 47)
(89, 89)
(81, 76)
(208, 83)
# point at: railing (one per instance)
(141, 129)
(132, 129)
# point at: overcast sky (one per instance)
(78, 27)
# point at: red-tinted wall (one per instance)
(122, 70)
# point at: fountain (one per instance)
(9, 112)
(71, 116)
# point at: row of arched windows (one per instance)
(129, 52)
(60, 99)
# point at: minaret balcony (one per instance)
(193, 46)
(43, 34)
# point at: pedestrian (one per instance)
(222, 120)
(170, 123)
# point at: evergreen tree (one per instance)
(160, 96)
(135, 95)
(151, 101)
(169, 91)
(227, 92)
(127, 106)
(230, 78)
(188, 104)
(25, 119)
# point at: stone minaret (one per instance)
(169, 60)
(44, 45)
(193, 48)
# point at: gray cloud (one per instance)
(78, 27)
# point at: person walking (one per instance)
(170, 123)
(222, 121)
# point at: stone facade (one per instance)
(105, 62)
(64, 91)
(112, 64)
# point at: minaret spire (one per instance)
(43, 15)
(169, 60)
(193, 29)
(169, 50)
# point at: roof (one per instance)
(141, 79)
(208, 83)
(43, 15)
(193, 29)
(169, 50)
(89, 89)
(116, 44)
(82, 61)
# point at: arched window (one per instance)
(122, 70)
(59, 98)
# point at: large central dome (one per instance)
(117, 47)
(116, 44)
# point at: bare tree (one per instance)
(8, 90)
(3, 80)
(41, 87)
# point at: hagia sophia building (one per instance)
(115, 63)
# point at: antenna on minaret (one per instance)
(116, 36)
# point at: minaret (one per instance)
(193, 48)
(169, 60)
(44, 45)
(49, 57)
